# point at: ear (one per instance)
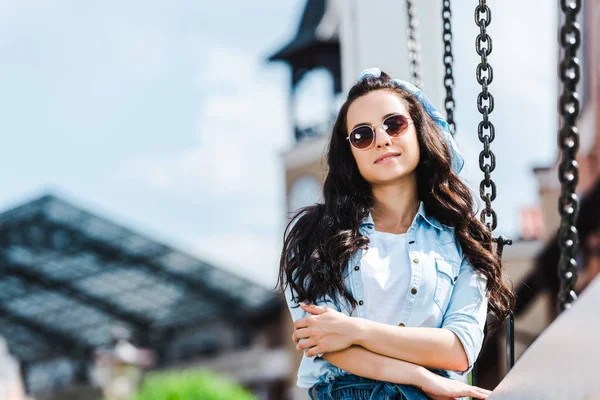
(313, 309)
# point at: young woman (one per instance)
(389, 281)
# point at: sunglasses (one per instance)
(363, 136)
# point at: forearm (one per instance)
(429, 347)
(362, 362)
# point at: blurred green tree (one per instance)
(190, 385)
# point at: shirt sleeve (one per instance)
(297, 312)
(467, 311)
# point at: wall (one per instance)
(373, 33)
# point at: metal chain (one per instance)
(485, 105)
(487, 159)
(568, 141)
(414, 47)
(448, 60)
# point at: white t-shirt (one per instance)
(386, 274)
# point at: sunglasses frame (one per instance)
(373, 128)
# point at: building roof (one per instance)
(308, 33)
(316, 43)
(68, 277)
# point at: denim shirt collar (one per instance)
(367, 226)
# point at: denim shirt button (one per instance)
(416, 260)
(361, 302)
(413, 291)
(357, 268)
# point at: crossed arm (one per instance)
(454, 346)
(362, 362)
(333, 331)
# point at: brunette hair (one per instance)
(320, 239)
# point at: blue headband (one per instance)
(457, 161)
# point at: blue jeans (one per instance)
(352, 387)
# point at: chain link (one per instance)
(568, 142)
(486, 132)
(448, 60)
(485, 105)
(414, 47)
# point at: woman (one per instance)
(390, 279)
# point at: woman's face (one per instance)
(371, 109)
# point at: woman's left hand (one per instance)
(325, 331)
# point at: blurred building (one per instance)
(70, 280)
(338, 37)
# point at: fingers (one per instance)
(300, 334)
(306, 344)
(313, 351)
(301, 323)
(313, 309)
(479, 393)
(309, 346)
(483, 391)
(463, 390)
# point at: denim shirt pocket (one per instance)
(445, 273)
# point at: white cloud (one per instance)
(234, 165)
(239, 135)
(191, 171)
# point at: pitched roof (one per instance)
(68, 277)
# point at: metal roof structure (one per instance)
(316, 43)
(68, 277)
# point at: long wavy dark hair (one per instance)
(320, 239)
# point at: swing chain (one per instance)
(568, 142)
(485, 104)
(413, 44)
(448, 60)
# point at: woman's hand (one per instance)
(325, 331)
(439, 388)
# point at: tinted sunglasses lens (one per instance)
(361, 137)
(395, 125)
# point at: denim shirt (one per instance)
(446, 292)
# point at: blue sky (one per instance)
(166, 117)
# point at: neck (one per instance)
(395, 205)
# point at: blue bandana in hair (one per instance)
(456, 159)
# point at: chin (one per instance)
(389, 176)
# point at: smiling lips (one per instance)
(386, 157)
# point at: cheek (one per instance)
(416, 150)
(411, 147)
(361, 160)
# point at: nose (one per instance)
(381, 137)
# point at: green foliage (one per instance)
(190, 385)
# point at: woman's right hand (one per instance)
(440, 388)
